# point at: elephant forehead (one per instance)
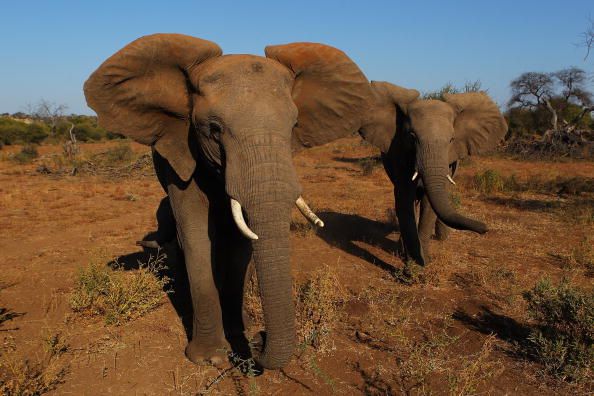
(424, 113)
(241, 70)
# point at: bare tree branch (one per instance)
(588, 38)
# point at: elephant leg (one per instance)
(442, 231)
(195, 226)
(166, 230)
(427, 219)
(404, 198)
(233, 257)
(405, 210)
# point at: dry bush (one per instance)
(28, 377)
(318, 307)
(113, 163)
(580, 257)
(368, 164)
(553, 145)
(563, 336)
(475, 370)
(117, 295)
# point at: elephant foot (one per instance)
(201, 352)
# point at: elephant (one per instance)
(421, 142)
(222, 129)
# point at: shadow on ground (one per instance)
(503, 327)
(342, 230)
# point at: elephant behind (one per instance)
(421, 143)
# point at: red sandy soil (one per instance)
(50, 226)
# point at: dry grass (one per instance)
(318, 307)
(119, 296)
(33, 376)
(474, 370)
(318, 303)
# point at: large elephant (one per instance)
(421, 143)
(222, 129)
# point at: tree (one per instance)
(588, 38)
(49, 112)
(556, 92)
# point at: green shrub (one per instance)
(27, 154)
(563, 338)
(119, 296)
(488, 182)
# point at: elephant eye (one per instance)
(215, 129)
(451, 140)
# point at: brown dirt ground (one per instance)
(51, 226)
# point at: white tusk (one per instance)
(451, 180)
(308, 213)
(240, 222)
(415, 175)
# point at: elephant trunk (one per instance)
(434, 170)
(271, 258)
(262, 178)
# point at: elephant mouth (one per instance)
(237, 214)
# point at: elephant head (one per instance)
(444, 132)
(235, 118)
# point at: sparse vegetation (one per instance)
(319, 300)
(563, 337)
(488, 182)
(368, 164)
(27, 154)
(119, 296)
(35, 376)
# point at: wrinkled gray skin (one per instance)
(234, 127)
(429, 137)
(223, 127)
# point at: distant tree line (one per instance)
(47, 122)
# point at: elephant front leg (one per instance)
(191, 210)
(233, 257)
(427, 219)
(405, 210)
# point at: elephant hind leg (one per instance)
(166, 229)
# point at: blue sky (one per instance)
(48, 48)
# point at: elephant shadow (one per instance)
(178, 287)
(342, 230)
(503, 327)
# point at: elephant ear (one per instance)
(142, 91)
(479, 125)
(380, 124)
(330, 91)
